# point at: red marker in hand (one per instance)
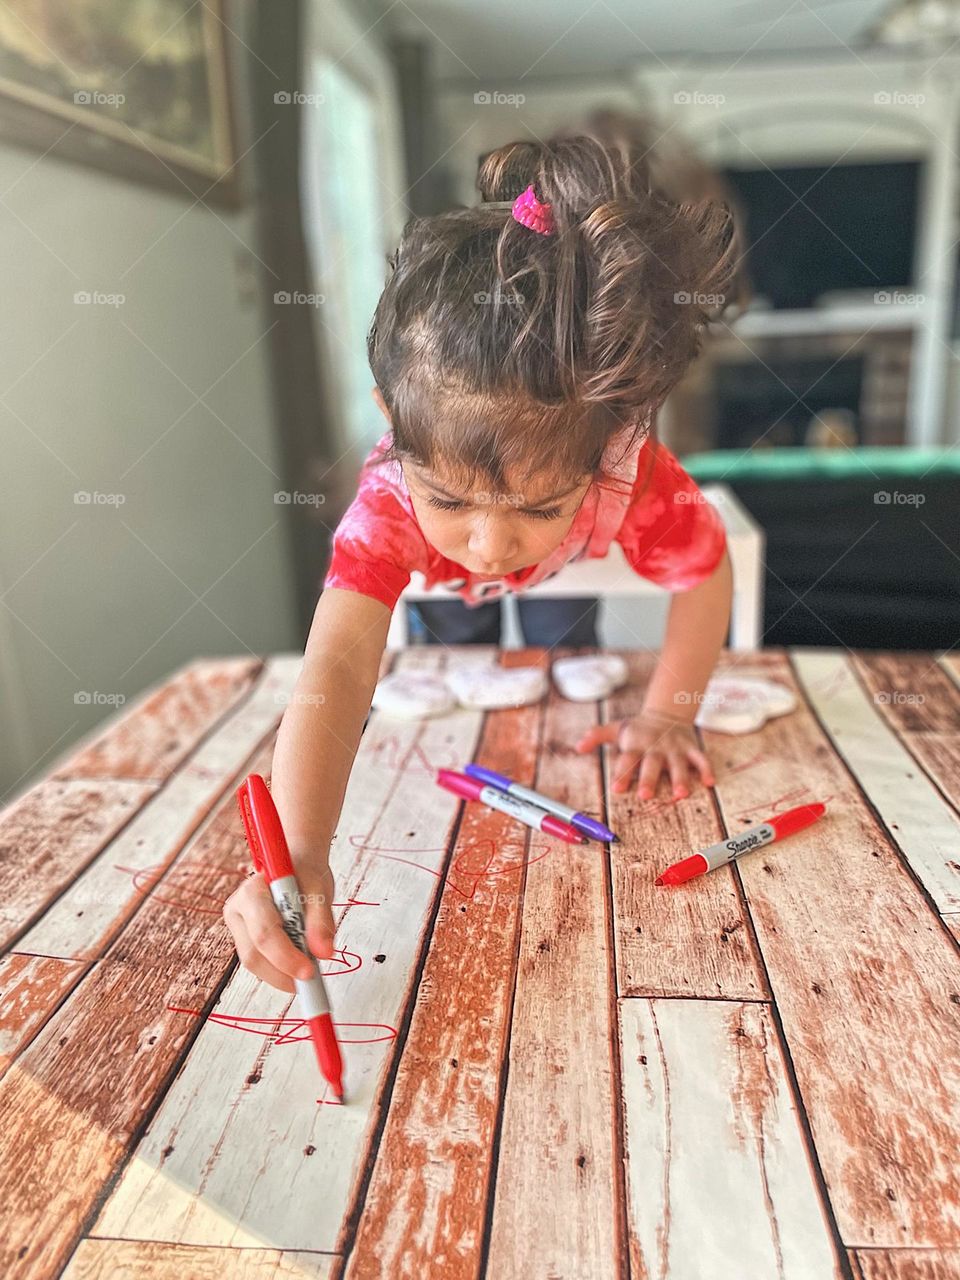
(783, 824)
(271, 857)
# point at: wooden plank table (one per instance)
(555, 1069)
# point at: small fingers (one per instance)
(596, 737)
(270, 939)
(254, 909)
(650, 770)
(702, 764)
(679, 775)
(254, 962)
(624, 770)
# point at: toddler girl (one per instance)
(520, 350)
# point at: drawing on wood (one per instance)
(554, 1067)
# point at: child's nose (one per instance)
(492, 540)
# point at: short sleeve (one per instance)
(671, 534)
(376, 545)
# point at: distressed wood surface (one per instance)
(199, 1175)
(149, 739)
(926, 828)
(708, 1077)
(426, 1202)
(920, 701)
(50, 835)
(501, 1119)
(866, 983)
(143, 859)
(157, 1260)
(558, 1205)
(31, 987)
(653, 926)
(91, 1077)
(905, 1264)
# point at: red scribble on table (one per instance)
(269, 1028)
(789, 800)
(833, 682)
(741, 768)
(474, 862)
(178, 889)
(390, 753)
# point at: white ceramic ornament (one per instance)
(411, 695)
(591, 677)
(486, 688)
(742, 704)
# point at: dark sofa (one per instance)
(862, 546)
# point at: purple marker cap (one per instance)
(589, 826)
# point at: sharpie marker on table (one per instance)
(539, 819)
(271, 857)
(582, 821)
(776, 828)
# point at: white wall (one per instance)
(104, 598)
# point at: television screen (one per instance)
(817, 229)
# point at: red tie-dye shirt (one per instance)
(642, 499)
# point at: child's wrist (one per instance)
(680, 714)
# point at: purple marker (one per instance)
(589, 826)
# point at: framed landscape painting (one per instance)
(138, 88)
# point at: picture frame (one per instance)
(143, 92)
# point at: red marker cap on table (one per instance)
(775, 828)
(271, 857)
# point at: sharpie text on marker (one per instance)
(776, 828)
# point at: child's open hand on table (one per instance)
(648, 745)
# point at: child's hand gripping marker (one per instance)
(271, 857)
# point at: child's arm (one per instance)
(661, 739)
(696, 629)
(315, 749)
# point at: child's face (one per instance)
(490, 533)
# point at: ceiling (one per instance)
(505, 41)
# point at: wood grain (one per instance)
(199, 1175)
(921, 703)
(143, 859)
(926, 829)
(31, 987)
(866, 982)
(558, 1207)
(906, 1264)
(426, 1202)
(654, 926)
(50, 835)
(157, 1260)
(718, 1174)
(91, 1078)
(149, 739)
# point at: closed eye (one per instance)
(454, 504)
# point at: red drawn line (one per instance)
(258, 1026)
(742, 768)
(389, 754)
(144, 878)
(788, 800)
(485, 850)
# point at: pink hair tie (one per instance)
(529, 212)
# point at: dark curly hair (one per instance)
(501, 351)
